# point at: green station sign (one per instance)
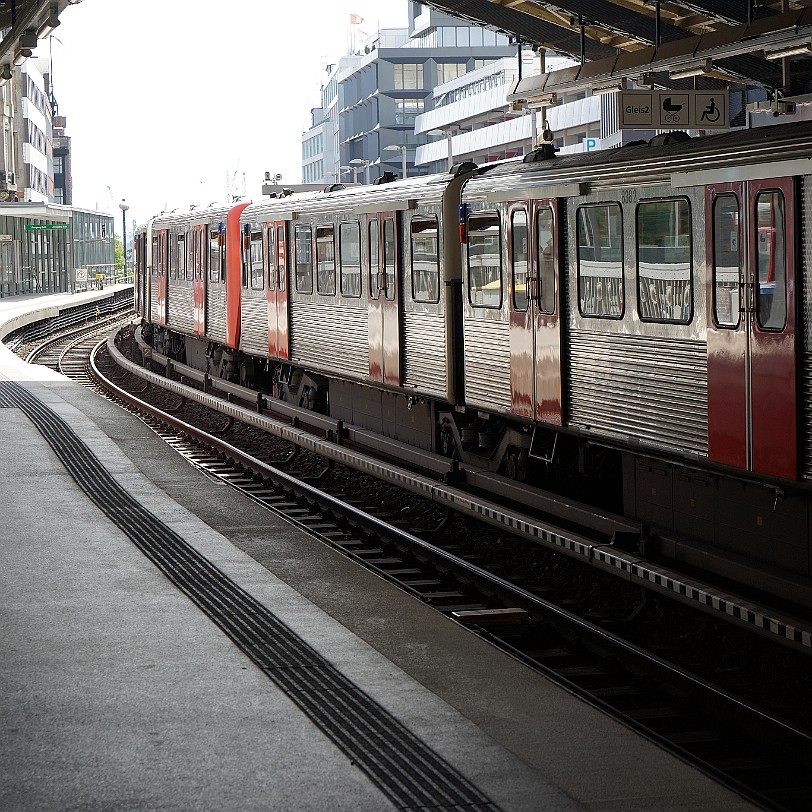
(47, 226)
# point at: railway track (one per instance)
(69, 352)
(750, 750)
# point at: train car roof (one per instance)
(674, 161)
(353, 200)
(187, 219)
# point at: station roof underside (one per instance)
(24, 22)
(675, 44)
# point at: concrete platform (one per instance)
(116, 692)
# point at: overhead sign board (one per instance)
(46, 226)
(673, 110)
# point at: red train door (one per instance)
(535, 339)
(752, 400)
(200, 244)
(278, 341)
(163, 257)
(234, 249)
(383, 266)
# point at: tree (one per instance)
(118, 254)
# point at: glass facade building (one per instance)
(373, 96)
(42, 246)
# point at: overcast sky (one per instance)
(170, 102)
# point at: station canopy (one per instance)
(23, 24)
(680, 45)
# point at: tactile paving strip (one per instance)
(404, 768)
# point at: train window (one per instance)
(325, 260)
(174, 251)
(546, 259)
(664, 266)
(349, 248)
(162, 259)
(257, 261)
(192, 266)
(425, 259)
(484, 260)
(214, 257)
(374, 264)
(519, 258)
(726, 260)
(281, 257)
(271, 256)
(182, 259)
(771, 259)
(600, 261)
(154, 256)
(389, 258)
(304, 259)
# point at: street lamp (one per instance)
(449, 134)
(124, 207)
(402, 149)
(359, 162)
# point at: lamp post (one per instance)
(359, 162)
(124, 207)
(402, 149)
(449, 134)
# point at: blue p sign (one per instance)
(591, 143)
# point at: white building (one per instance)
(475, 122)
(35, 174)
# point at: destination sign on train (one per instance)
(673, 109)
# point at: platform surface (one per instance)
(117, 693)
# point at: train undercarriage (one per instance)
(767, 523)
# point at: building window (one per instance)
(406, 110)
(446, 71)
(59, 168)
(58, 196)
(409, 76)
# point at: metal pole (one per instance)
(403, 160)
(657, 23)
(449, 135)
(123, 206)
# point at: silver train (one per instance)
(629, 327)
